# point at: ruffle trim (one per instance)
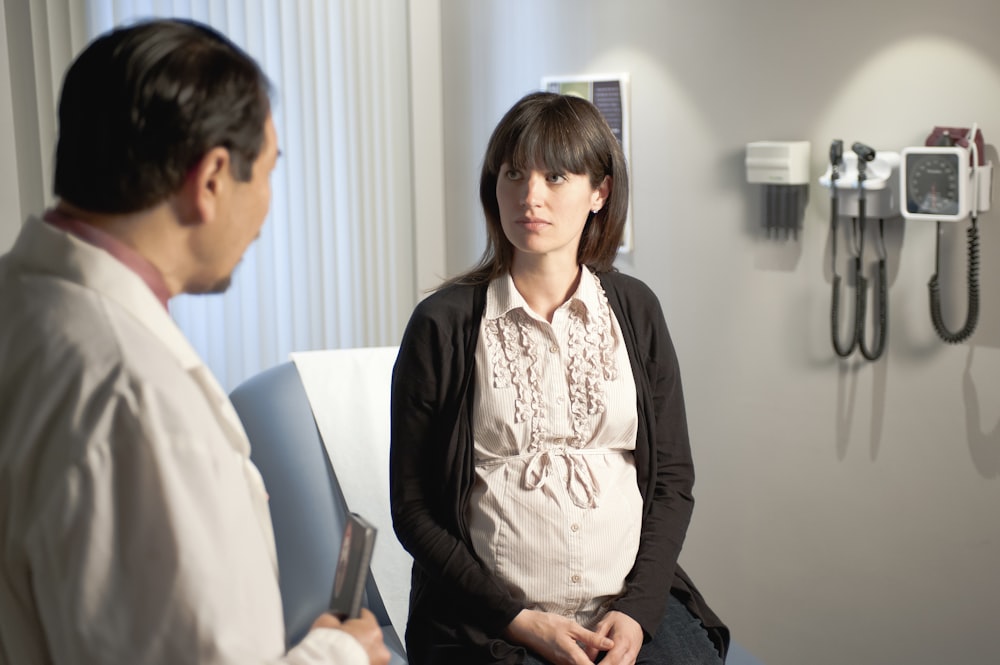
(514, 350)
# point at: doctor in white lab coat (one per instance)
(133, 526)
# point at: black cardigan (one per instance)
(458, 610)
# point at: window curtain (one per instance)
(334, 265)
(40, 37)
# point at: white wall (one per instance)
(847, 511)
(427, 150)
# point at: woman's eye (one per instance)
(556, 177)
(512, 174)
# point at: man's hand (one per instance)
(364, 629)
(627, 635)
(556, 638)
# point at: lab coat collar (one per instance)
(44, 249)
(135, 261)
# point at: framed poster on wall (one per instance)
(609, 93)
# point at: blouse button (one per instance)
(554, 349)
(574, 527)
(576, 579)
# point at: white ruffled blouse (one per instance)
(556, 509)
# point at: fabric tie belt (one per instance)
(540, 471)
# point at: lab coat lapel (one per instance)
(47, 250)
(230, 421)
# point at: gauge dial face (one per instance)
(932, 184)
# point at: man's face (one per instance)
(242, 215)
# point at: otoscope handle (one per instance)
(836, 153)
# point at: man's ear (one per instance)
(205, 188)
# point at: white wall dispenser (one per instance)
(783, 168)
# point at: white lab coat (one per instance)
(133, 526)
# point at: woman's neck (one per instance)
(545, 289)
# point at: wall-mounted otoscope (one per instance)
(836, 163)
(861, 183)
(865, 155)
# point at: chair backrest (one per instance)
(307, 505)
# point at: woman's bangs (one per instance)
(549, 142)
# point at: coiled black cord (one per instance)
(883, 316)
(883, 301)
(859, 305)
(972, 314)
(836, 153)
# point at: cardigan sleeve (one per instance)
(663, 452)
(430, 457)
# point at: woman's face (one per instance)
(543, 212)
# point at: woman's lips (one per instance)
(532, 223)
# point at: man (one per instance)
(133, 526)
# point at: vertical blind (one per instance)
(334, 266)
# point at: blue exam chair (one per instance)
(307, 506)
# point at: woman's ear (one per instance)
(602, 192)
(205, 188)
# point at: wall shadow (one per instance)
(984, 447)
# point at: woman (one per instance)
(540, 468)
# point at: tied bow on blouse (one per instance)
(582, 486)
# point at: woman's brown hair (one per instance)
(566, 134)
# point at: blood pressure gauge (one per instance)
(935, 182)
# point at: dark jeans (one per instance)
(680, 640)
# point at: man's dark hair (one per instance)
(143, 104)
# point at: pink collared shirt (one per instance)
(116, 248)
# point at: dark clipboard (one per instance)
(356, 549)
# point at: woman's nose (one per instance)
(533, 191)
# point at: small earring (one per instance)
(595, 210)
